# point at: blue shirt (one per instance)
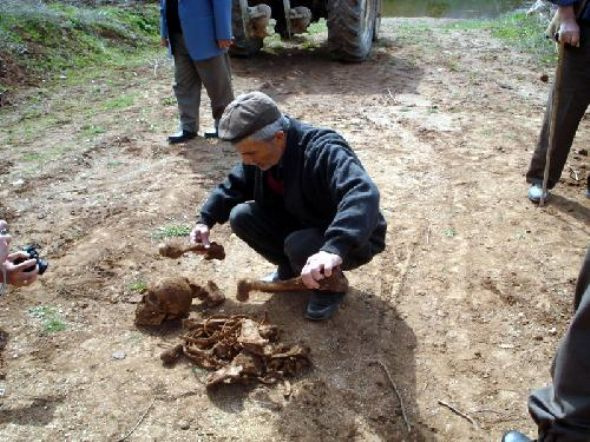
(585, 16)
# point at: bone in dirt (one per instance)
(336, 282)
(171, 298)
(175, 249)
(238, 349)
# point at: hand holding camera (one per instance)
(19, 268)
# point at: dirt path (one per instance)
(465, 306)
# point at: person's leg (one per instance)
(215, 74)
(562, 410)
(264, 231)
(299, 246)
(187, 86)
(573, 102)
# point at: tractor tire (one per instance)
(351, 28)
(245, 47)
(242, 45)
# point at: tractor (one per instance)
(353, 25)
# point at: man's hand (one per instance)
(200, 235)
(318, 267)
(569, 30)
(16, 274)
(4, 241)
(224, 44)
(164, 42)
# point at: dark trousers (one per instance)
(190, 75)
(275, 235)
(573, 102)
(562, 410)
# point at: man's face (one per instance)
(263, 154)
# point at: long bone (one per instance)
(337, 282)
(174, 249)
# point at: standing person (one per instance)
(573, 100)
(198, 33)
(11, 273)
(562, 410)
(300, 197)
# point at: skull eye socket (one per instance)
(152, 299)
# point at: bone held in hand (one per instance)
(173, 249)
(337, 282)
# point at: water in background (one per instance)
(450, 8)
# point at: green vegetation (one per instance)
(450, 232)
(318, 27)
(138, 286)
(120, 102)
(51, 319)
(171, 231)
(524, 32)
(51, 39)
(90, 130)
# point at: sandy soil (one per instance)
(465, 306)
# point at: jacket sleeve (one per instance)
(237, 188)
(565, 2)
(222, 15)
(355, 195)
(163, 21)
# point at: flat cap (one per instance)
(247, 114)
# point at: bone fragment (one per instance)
(171, 355)
(175, 249)
(337, 282)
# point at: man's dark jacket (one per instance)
(584, 15)
(325, 186)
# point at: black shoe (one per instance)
(515, 436)
(322, 305)
(214, 133)
(210, 135)
(181, 137)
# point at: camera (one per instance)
(33, 254)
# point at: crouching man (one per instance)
(300, 197)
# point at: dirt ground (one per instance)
(465, 307)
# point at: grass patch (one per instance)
(49, 39)
(50, 318)
(120, 102)
(91, 130)
(169, 101)
(524, 32)
(171, 231)
(318, 27)
(450, 232)
(138, 286)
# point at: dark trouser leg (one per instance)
(562, 410)
(215, 73)
(573, 102)
(263, 230)
(301, 244)
(279, 239)
(187, 86)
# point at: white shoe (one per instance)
(536, 192)
(271, 277)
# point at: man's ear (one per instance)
(280, 136)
